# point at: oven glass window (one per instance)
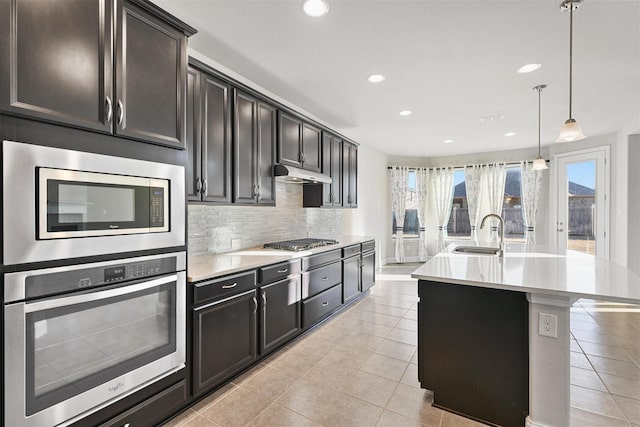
(72, 349)
(92, 203)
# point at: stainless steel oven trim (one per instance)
(45, 174)
(14, 282)
(20, 242)
(90, 400)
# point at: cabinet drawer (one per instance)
(276, 272)
(316, 281)
(351, 250)
(224, 287)
(153, 410)
(317, 260)
(369, 246)
(321, 305)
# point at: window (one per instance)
(512, 206)
(459, 224)
(411, 226)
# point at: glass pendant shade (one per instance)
(571, 131)
(539, 164)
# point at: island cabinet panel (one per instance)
(473, 351)
(317, 308)
(280, 307)
(368, 270)
(350, 278)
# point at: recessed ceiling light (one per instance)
(405, 113)
(448, 141)
(509, 134)
(376, 78)
(527, 68)
(315, 8)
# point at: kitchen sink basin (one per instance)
(482, 250)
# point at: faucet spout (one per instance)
(499, 218)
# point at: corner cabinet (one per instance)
(67, 63)
(208, 138)
(299, 143)
(349, 175)
(254, 150)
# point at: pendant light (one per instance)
(539, 163)
(571, 130)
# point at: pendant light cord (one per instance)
(539, 91)
(570, 55)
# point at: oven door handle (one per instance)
(98, 295)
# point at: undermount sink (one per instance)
(483, 250)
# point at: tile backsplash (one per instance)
(218, 229)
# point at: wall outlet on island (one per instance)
(548, 325)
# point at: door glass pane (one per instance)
(71, 349)
(581, 206)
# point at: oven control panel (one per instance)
(59, 282)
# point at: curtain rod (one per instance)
(459, 167)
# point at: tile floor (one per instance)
(359, 368)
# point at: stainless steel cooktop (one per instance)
(300, 244)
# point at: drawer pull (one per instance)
(325, 278)
(284, 270)
(326, 303)
(230, 286)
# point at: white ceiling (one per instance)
(451, 62)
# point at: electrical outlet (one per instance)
(236, 243)
(548, 325)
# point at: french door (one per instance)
(582, 217)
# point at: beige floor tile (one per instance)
(621, 386)
(408, 324)
(370, 388)
(375, 329)
(611, 352)
(199, 421)
(269, 383)
(635, 355)
(310, 400)
(330, 375)
(248, 374)
(594, 337)
(586, 326)
(181, 418)
(384, 319)
(581, 418)
(236, 408)
(573, 346)
(581, 317)
(276, 415)
(615, 367)
(595, 401)
(413, 315)
(396, 349)
(414, 359)
(391, 419)
(453, 420)
(630, 407)
(579, 360)
(387, 309)
(213, 397)
(360, 342)
(415, 404)
(350, 411)
(630, 343)
(352, 359)
(295, 363)
(410, 376)
(384, 366)
(403, 336)
(586, 378)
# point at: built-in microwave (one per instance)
(60, 204)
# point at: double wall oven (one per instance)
(94, 280)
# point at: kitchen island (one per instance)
(512, 310)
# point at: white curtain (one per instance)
(398, 178)
(442, 187)
(531, 186)
(422, 184)
(473, 180)
(495, 176)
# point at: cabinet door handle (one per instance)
(204, 186)
(230, 286)
(120, 112)
(109, 110)
(284, 270)
(264, 299)
(325, 278)
(255, 305)
(326, 303)
(198, 185)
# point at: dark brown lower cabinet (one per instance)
(350, 278)
(368, 270)
(279, 312)
(316, 308)
(224, 339)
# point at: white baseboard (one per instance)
(406, 260)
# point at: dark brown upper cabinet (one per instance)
(254, 150)
(208, 138)
(299, 143)
(349, 175)
(330, 194)
(66, 62)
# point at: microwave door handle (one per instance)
(95, 296)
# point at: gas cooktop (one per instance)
(300, 244)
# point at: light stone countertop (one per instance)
(203, 267)
(539, 271)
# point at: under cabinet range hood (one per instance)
(295, 175)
